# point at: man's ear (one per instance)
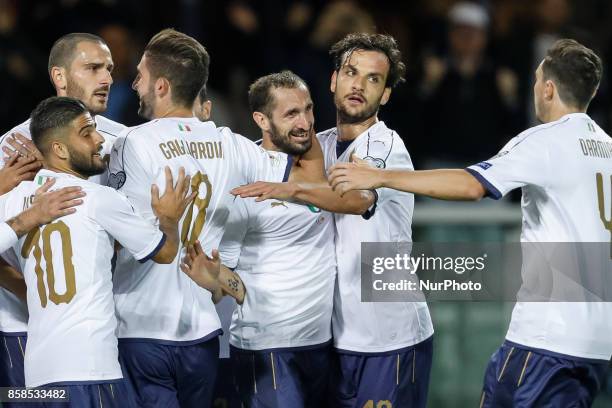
(58, 78)
(332, 85)
(161, 87)
(262, 121)
(550, 89)
(206, 109)
(59, 149)
(385, 96)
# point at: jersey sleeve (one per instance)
(130, 173)
(8, 238)
(257, 165)
(235, 231)
(523, 161)
(122, 221)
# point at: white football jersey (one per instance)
(110, 131)
(160, 302)
(556, 164)
(13, 313)
(8, 238)
(284, 254)
(67, 268)
(377, 326)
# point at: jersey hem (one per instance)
(165, 342)
(13, 334)
(47, 382)
(589, 358)
(89, 382)
(281, 349)
(399, 349)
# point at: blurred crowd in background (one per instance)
(470, 64)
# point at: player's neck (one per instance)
(266, 143)
(173, 111)
(559, 111)
(350, 131)
(60, 168)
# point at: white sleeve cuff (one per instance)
(8, 237)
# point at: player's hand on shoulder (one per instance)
(50, 205)
(201, 268)
(22, 145)
(17, 169)
(176, 198)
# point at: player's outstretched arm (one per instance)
(46, 207)
(319, 194)
(12, 280)
(445, 184)
(169, 209)
(210, 274)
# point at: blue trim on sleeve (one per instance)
(492, 192)
(162, 241)
(288, 168)
(370, 212)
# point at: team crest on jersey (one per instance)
(484, 165)
(116, 180)
(376, 162)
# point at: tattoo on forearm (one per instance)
(233, 283)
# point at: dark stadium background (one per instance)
(447, 117)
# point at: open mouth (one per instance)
(355, 99)
(299, 137)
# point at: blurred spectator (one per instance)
(470, 103)
(123, 101)
(250, 38)
(22, 67)
(337, 19)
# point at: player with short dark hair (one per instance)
(67, 263)
(80, 66)
(556, 353)
(284, 253)
(389, 361)
(168, 326)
